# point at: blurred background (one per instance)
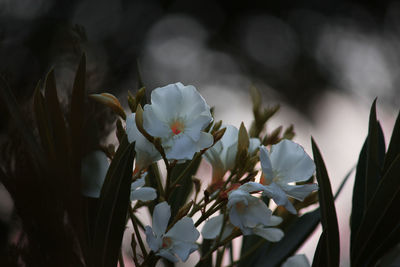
(323, 61)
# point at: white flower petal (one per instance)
(270, 234)
(254, 144)
(184, 230)
(193, 128)
(275, 220)
(144, 194)
(205, 141)
(138, 183)
(153, 242)
(193, 104)
(166, 101)
(257, 212)
(291, 162)
(212, 227)
(184, 249)
(252, 187)
(299, 260)
(279, 196)
(299, 192)
(94, 169)
(230, 156)
(153, 125)
(266, 164)
(161, 215)
(182, 148)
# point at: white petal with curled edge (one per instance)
(94, 169)
(268, 233)
(299, 192)
(166, 102)
(161, 215)
(153, 242)
(291, 162)
(266, 164)
(212, 227)
(184, 230)
(299, 260)
(205, 141)
(252, 187)
(193, 104)
(144, 194)
(279, 196)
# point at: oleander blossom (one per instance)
(247, 211)
(179, 241)
(146, 153)
(285, 164)
(178, 115)
(222, 155)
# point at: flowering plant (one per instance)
(261, 182)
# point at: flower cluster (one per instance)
(177, 126)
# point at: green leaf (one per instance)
(17, 117)
(77, 116)
(394, 146)
(181, 193)
(113, 207)
(375, 155)
(380, 218)
(329, 253)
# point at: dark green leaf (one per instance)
(375, 155)
(330, 252)
(113, 207)
(381, 215)
(394, 146)
(77, 115)
(184, 188)
(17, 117)
(320, 251)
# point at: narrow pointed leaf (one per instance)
(330, 246)
(113, 207)
(381, 215)
(394, 145)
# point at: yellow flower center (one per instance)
(177, 127)
(166, 242)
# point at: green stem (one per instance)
(157, 174)
(185, 171)
(137, 233)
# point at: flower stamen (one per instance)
(177, 127)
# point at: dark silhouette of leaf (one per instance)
(394, 146)
(113, 207)
(329, 251)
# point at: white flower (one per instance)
(179, 241)
(178, 115)
(212, 228)
(270, 233)
(143, 193)
(247, 211)
(299, 260)
(222, 155)
(93, 173)
(146, 153)
(286, 163)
